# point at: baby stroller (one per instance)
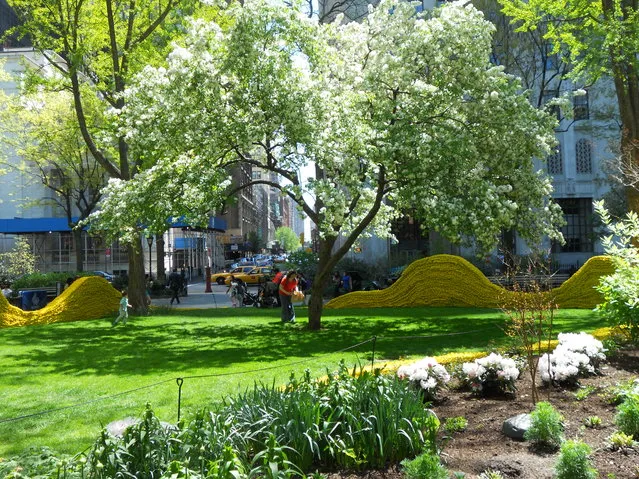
(250, 299)
(267, 295)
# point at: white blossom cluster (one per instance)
(491, 373)
(576, 355)
(426, 374)
(400, 111)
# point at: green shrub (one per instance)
(620, 440)
(619, 290)
(546, 430)
(574, 462)
(584, 392)
(627, 417)
(455, 424)
(592, 422)
(618, 393)
(424, 466)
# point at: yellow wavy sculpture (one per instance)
(447, 280)
(90, 297)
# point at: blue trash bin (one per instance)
(32, 300)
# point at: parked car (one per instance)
(258, 275)
(220, 278)
(107, 276)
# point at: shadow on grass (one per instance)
(218, 339)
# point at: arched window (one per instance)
(555, 162)
(584, 157)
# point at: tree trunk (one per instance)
(159, 258)
(324, 268)
(79, 249)
(137, 287)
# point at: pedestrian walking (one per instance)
(236, 291)
(337, 284)
(347, 283)
(175, 284)
(288, 285)
(124, 310)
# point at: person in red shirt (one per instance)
(287, 288)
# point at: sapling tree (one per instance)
(398, 111)
(530, 312)
(17, 262)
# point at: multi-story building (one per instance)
(47, 228)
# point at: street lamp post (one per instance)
(149, 241)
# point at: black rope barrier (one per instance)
(84, 403)
(180, 380)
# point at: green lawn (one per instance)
(56, 366)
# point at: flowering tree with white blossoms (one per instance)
(400, 111)
(491, 374)
(426, 374)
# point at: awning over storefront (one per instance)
(216, 224)
(34, 225)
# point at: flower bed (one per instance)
(90, 297)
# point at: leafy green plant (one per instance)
(455, 424)
(592, 422)
(491, 474)
(546, 430)
(424, 466)
(618, 393)
(574, 462)
(627, 417)
(620, 440)
(584, 392)
(619, 290)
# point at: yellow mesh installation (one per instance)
(90, 297)
(447, 280)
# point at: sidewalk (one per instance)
(198, 299)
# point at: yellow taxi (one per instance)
(256, 275)
(220, 278)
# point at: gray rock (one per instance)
(516, 426)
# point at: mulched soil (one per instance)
(482, 445)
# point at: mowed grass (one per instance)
(91, 374)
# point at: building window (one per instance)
(548, 95)
(584, 157)
(580, 107)
(578, 230)
(555, 162)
